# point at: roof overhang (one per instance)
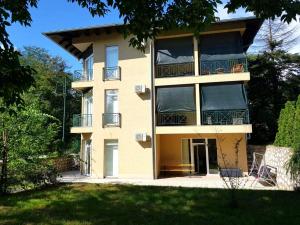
(68, 39)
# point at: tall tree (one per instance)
(52, 84)
(275, 79)
(275, 35)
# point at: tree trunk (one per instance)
(3, 178)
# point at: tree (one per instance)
(144, 19)
(51, 78)
(30, 141)
(275, 79)
(276, 35)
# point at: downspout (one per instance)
(153, 110)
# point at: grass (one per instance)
(138, 205)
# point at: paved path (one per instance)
(210, 181)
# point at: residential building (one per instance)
(178, 108)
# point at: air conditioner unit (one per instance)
(141, 137)
(140, 89)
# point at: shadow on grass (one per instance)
(136, 205)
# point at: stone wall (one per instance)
(276, 157)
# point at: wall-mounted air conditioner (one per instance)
(141, 137)
(140, 89)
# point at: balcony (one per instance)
(111, 120)
(225, 117)
(174, 70)
(83, 79)
(111, 73)
(82, 120)
(176, 118)
(83, 75)
(211, 67)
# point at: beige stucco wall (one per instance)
(135, 159)
(170, 149)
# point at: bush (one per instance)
(32, 140)
(288, 135)
(285, 135)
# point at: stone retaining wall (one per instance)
(276, 157)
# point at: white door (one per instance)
(87, 157)
(111, 158)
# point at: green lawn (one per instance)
(136, 205)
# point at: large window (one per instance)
(174, 57)
(224, 104)
(176, 105)
(222, 53)
(111, 70)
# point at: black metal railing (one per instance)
(225, 117)
(112, 73)
(82, 120)
(83, 75)
(239, 65)
(175, 69)
(111, 120)
(176, 118)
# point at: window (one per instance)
(111, 70)
(111, 117)
(88, 67)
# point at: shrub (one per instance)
(285, 134)
(288, 135)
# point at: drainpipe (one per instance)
(152, 110)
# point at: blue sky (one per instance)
(55, 15)
(60, 14)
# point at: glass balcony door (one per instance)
(88, 67)
(111, 63)
(111, 107)
(88, 109)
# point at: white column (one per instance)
(195, 41)
(198, 112)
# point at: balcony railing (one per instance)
(82, 120)
(112, 73)
(111, 120)
(225, 117)
(83, 75)
(239, 65)
(176, 118)
(174, 70)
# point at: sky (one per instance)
(60, 14)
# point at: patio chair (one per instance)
(257, 160)
(261, 171)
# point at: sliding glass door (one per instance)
(201, 155)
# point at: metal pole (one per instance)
(64, 113)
